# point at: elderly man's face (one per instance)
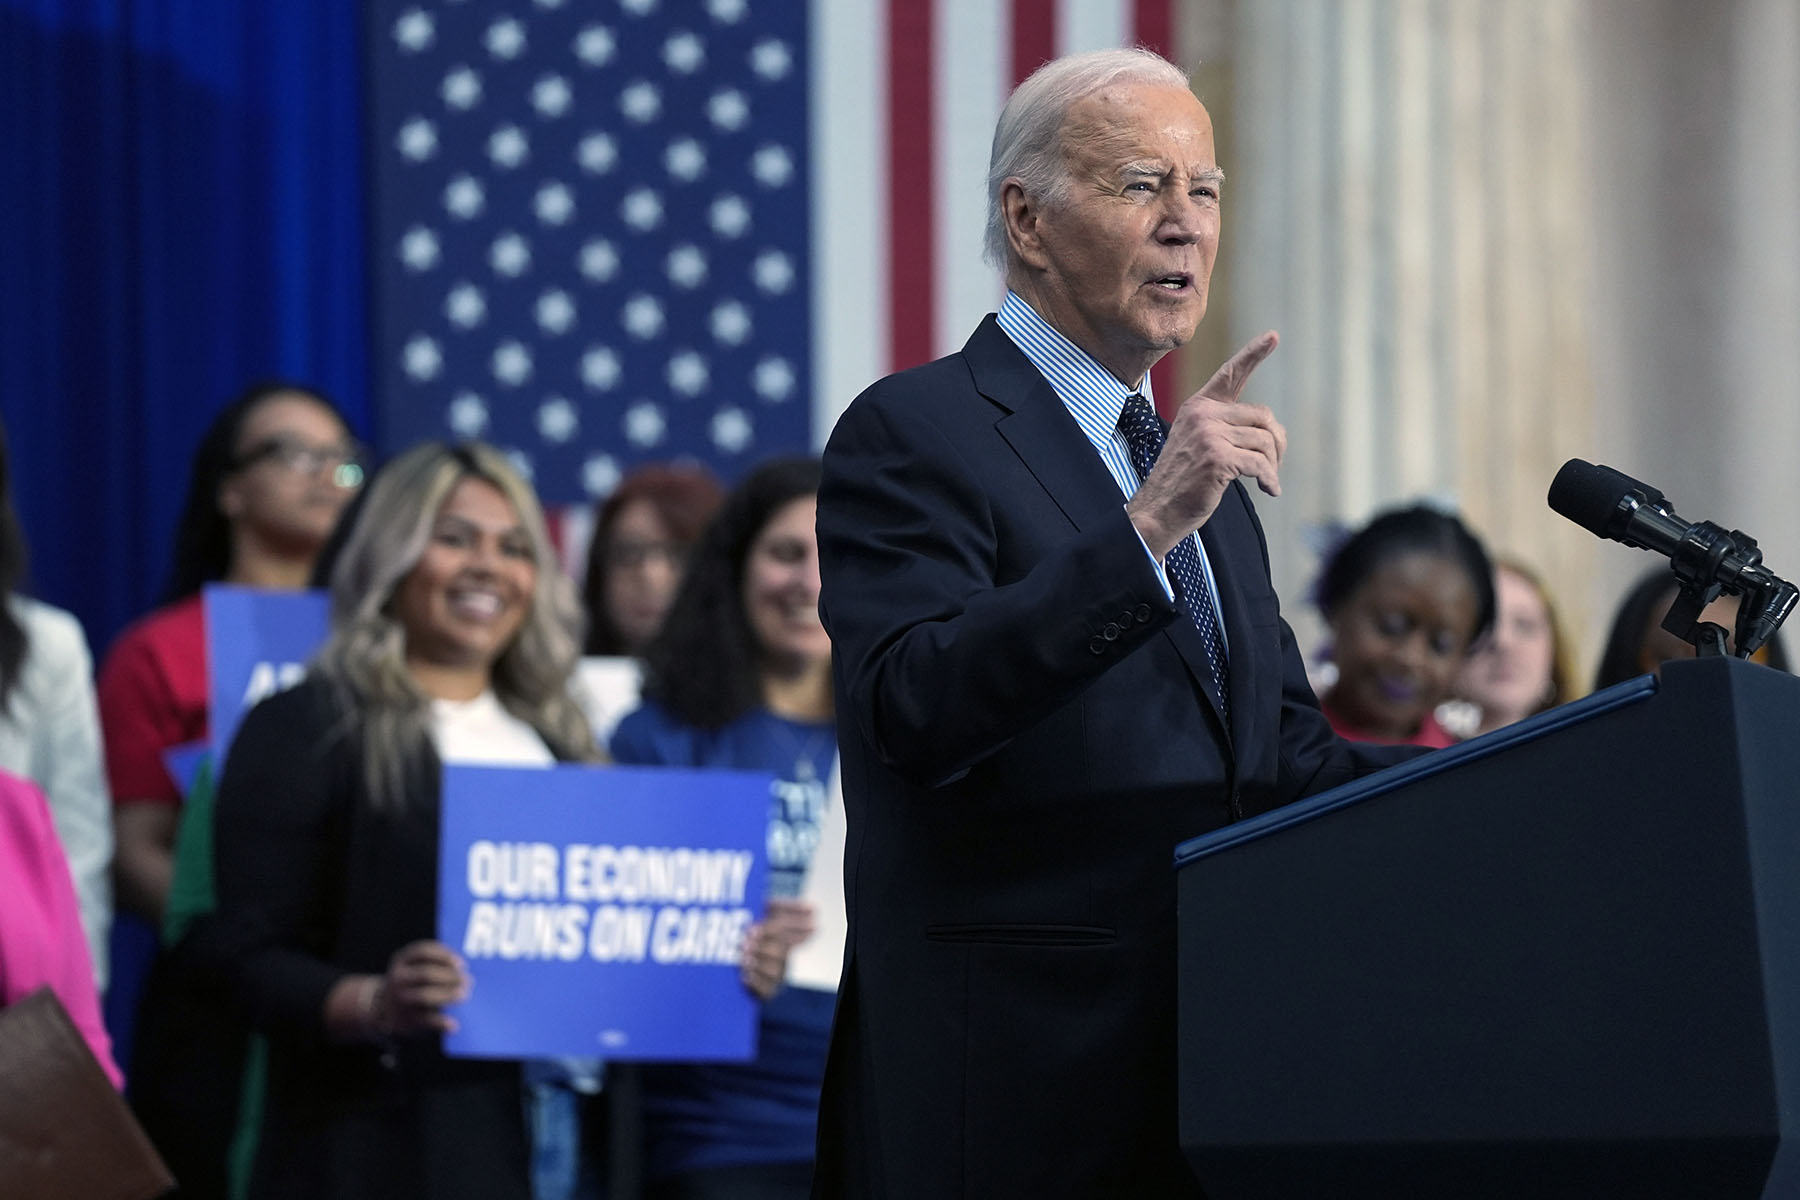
(1122, 264)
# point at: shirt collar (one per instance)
(1085, 387)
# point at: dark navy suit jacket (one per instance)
(1024, 741)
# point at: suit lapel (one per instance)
(1041, 431)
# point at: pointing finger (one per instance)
(1227, 383)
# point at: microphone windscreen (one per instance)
(1589, 495)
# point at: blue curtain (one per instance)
(181, 214)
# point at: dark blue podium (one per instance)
(1562, 960)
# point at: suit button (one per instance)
(1143, 612)
(1125, 619)
(1097, 646)
(1110, 633)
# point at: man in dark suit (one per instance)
(1045, 679)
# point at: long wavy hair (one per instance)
(365, 656)
(704, 666)
(202, 553)
(13, 641)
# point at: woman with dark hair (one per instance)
(1406, 597)
(49, 730)
(1637, 644)
(740, 676)
(267, 483)
(642, 535)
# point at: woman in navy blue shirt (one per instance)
(740, 676)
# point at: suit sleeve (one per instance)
(944, 659)
(279, 846)
(1312, 757)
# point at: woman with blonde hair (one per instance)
(1525, 665)
(453, 639)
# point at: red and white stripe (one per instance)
(906, 93)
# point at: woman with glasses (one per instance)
(642, 535)
(268, 480)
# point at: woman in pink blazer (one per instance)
(41, 942)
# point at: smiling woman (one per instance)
(740, 676)
(453, 639)
(1407, 597)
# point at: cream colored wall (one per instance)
(1497, 236)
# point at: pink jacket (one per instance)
(40, 926)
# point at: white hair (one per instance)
(1027, 138)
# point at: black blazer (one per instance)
(1024, 741)
(313, 884)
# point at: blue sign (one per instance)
(183, 763)
(602, 910)
(257, 643)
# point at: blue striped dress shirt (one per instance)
(1095, 399)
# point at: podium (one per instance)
(1560, 960)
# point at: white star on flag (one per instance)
(599, 261)
(773, 379)
(641, 102)
(554, 204)
(508, 147)
(600, 475)
(551, 96)
(771, 59)
(687, 373)
(468, 415)
(423, 359)
(686, 266)
(644, 424)
(642, 317)
(419, 249)
(600, 369)
(731, 430)
(729, 216)
(683, 53)
(595, 46)
(555, 312)
(730, 322)
(728, 110)
(510, 255)
(465, 306)
(414, 30)
(557, 420)
(418, 139)
(462, 89)
(506, 39)
(512, 363)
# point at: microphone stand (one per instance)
(1766, 599)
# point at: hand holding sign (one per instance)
(423, 978)
(785, 924)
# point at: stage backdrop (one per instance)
(181, 213)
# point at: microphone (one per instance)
(1704, 556)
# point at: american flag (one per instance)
(613, 231)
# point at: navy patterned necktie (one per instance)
(1143, 432)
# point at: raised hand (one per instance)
(1215, 438)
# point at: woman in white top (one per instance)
(50, 729)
